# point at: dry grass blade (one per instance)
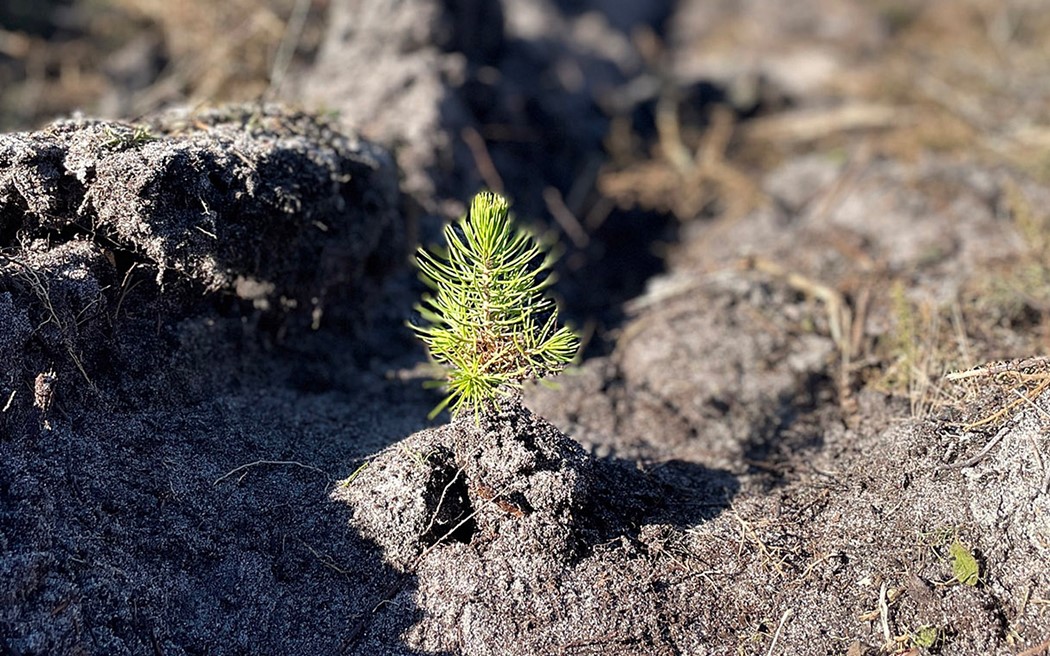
(258, 463)
(812, 124)
(39, 287)
(1041, 362)
(780, 629)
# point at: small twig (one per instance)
(441, 501)
(811, 124)
(812, 566)
(599, 212)
(1036, 649)
(293, 32)
(840, 318)
(125, 289)
(776, 636)
(1044, 383)
(10, 399)
(444, 492)
(40, 288)
(389, 593)
(325, 560)
(565, 218)
(267, 462)
(711, 151)
(1024, 601)
(961, 338)
(668, 128)
(486, 167)
(884, 614)
(982, 453)
(747, 531)
(78, 320)
(1042, 361)
(439, 541)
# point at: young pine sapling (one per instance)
(488, 322)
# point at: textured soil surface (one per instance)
(781, 226)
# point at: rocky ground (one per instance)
(781, 226)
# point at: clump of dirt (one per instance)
(506, 477)
(499, 515)
(97, 251)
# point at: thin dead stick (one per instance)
(444, 492)
(670, 135)
(840, 318)
(125, 289)
(359, 626)
(484, 504)
(325, 560)
(958, 324)
(79, 319)
(1039, 389)
(1001, 367)
(776, 636)
(1035, 650)
(10, 399)
(441, 501)
(749, 532)
(711, 151)
(884, 614)
(293, 32)
(565, 218)
(40, 288)
(1024, 600)
(808, 125)
(812, 566)
(268, 462)
(983, 452)
(486, 167)
(1031, 440)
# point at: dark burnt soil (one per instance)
(160, 285)
(781, 228)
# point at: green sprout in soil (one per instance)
(488, 321)
(926, 637)
(128, 137)
(964, 565)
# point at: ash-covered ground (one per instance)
(780, 228)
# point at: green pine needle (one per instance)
(487, 320)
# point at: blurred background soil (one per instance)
(781, 225)
(614, 123)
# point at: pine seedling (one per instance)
(488, 322)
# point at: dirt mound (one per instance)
(110, 230)
(503, 517)
(511, 477)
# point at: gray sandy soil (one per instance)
(213, 434)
